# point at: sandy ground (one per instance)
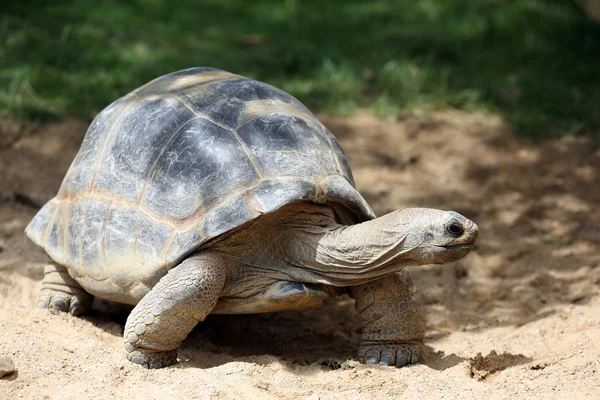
(518, 318)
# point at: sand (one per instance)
(517, 318)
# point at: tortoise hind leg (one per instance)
(62, 293)
(167, 314)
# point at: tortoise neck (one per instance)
(353, 254)
(372, 244)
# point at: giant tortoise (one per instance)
(206, 192)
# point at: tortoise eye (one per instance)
(455, 229)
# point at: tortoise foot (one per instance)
(60, 292)
(152, 359)
(398, 355)
(76, 304)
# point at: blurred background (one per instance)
(535, 61)
(490, 108)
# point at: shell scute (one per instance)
(227, 216)
(182, 81)
(43, 220)
(150, 246)
(54, 235)
(285, 145)
(74, 251)
(121, 225)
(143, 132)
(227, 102)
(183, 240)
(197, 170)
(83, 168)
(92, 227)
(272, 193)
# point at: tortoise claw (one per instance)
(398, 355)
(75, 304)
(60, 292)
(151, 359)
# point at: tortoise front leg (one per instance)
(167, 314)
(393, 329)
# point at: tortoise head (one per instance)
(435, 236)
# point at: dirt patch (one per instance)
(531, 286)
(482, 367)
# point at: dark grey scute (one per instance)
(203, 164)
(149, 125)
(227, 216)
(91, 231)
(226, 101)
(285, 145)
(273, 194)
(345, 170)
(340, 190)
(75, 240)
(121, 225)
(36, 228)
(83, 168)
(55, 235)
(250, 90)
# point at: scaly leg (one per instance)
(167, 314)
(393, 329)
(60, 292)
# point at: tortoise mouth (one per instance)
(452, 252)
(466, 243)
(461, 246)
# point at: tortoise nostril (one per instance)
(455, 229)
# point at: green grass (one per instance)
(535, 61)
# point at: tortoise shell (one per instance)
(179, 161)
